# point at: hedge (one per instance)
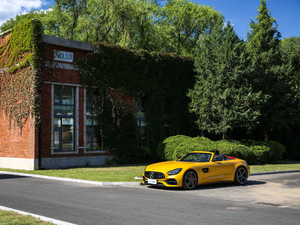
(254, 152)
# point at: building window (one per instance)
(142, 124)
(64, 118)
(93, 143)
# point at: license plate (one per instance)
(151, 181)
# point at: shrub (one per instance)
(236, 149)
(261, 153)
(277, 150)
(253, 152)
(174, 147)
(172, 143)
(266, 151)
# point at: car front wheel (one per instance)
(190, 180)
(241, 175)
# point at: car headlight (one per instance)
(174, 172)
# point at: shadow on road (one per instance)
(212, 186)
(9, 176)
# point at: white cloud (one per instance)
(11, 8)
(225, 23)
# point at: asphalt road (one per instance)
(266, 199)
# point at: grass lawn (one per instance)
(127, 173)
(115, 173)
(13, 218)
(283, 166)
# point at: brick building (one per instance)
(65, 136)
(47, 119)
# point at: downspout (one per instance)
(39, 146)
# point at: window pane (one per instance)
(89, 124)
(92, 112)
(141, 115)
(89, 111)
(67, 135)
(68, 96)
(57, 123)
(56, 94)
(88, 139)
(56, 139)
(63, 110)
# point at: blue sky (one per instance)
(238, 12)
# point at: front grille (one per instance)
(154, 175)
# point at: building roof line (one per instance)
(67, 43)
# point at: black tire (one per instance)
(240, 177)
(189, 180)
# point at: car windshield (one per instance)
(196, 157)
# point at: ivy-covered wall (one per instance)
(160, 79)
(20, 80)
(21, 51)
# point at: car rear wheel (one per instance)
(241, 175)
(190, 180)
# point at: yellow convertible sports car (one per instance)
(197, 168)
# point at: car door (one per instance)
(221, 170)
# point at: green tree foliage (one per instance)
(270, 75)
(182, 23)
(222, 97)
(22, 18)
(291, 55)
(63, 19)
(136, 24)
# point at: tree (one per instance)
(22, 18)
(291, 55)
(136, 24)
(222, 97)
(63, 19)
(182, 23)
(270, 75)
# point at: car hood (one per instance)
(167, 166)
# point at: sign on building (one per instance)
(63, 56)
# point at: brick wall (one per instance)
(15, 143)
(4, 39)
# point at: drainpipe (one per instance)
(39, 145)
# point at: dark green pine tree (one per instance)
(222, 97)
(270, 75)
(291, 55)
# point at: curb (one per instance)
(119, 183)
(275, 172)
(75, 180)
(47, 219)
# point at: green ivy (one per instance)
(161, 79)
(21, 58)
